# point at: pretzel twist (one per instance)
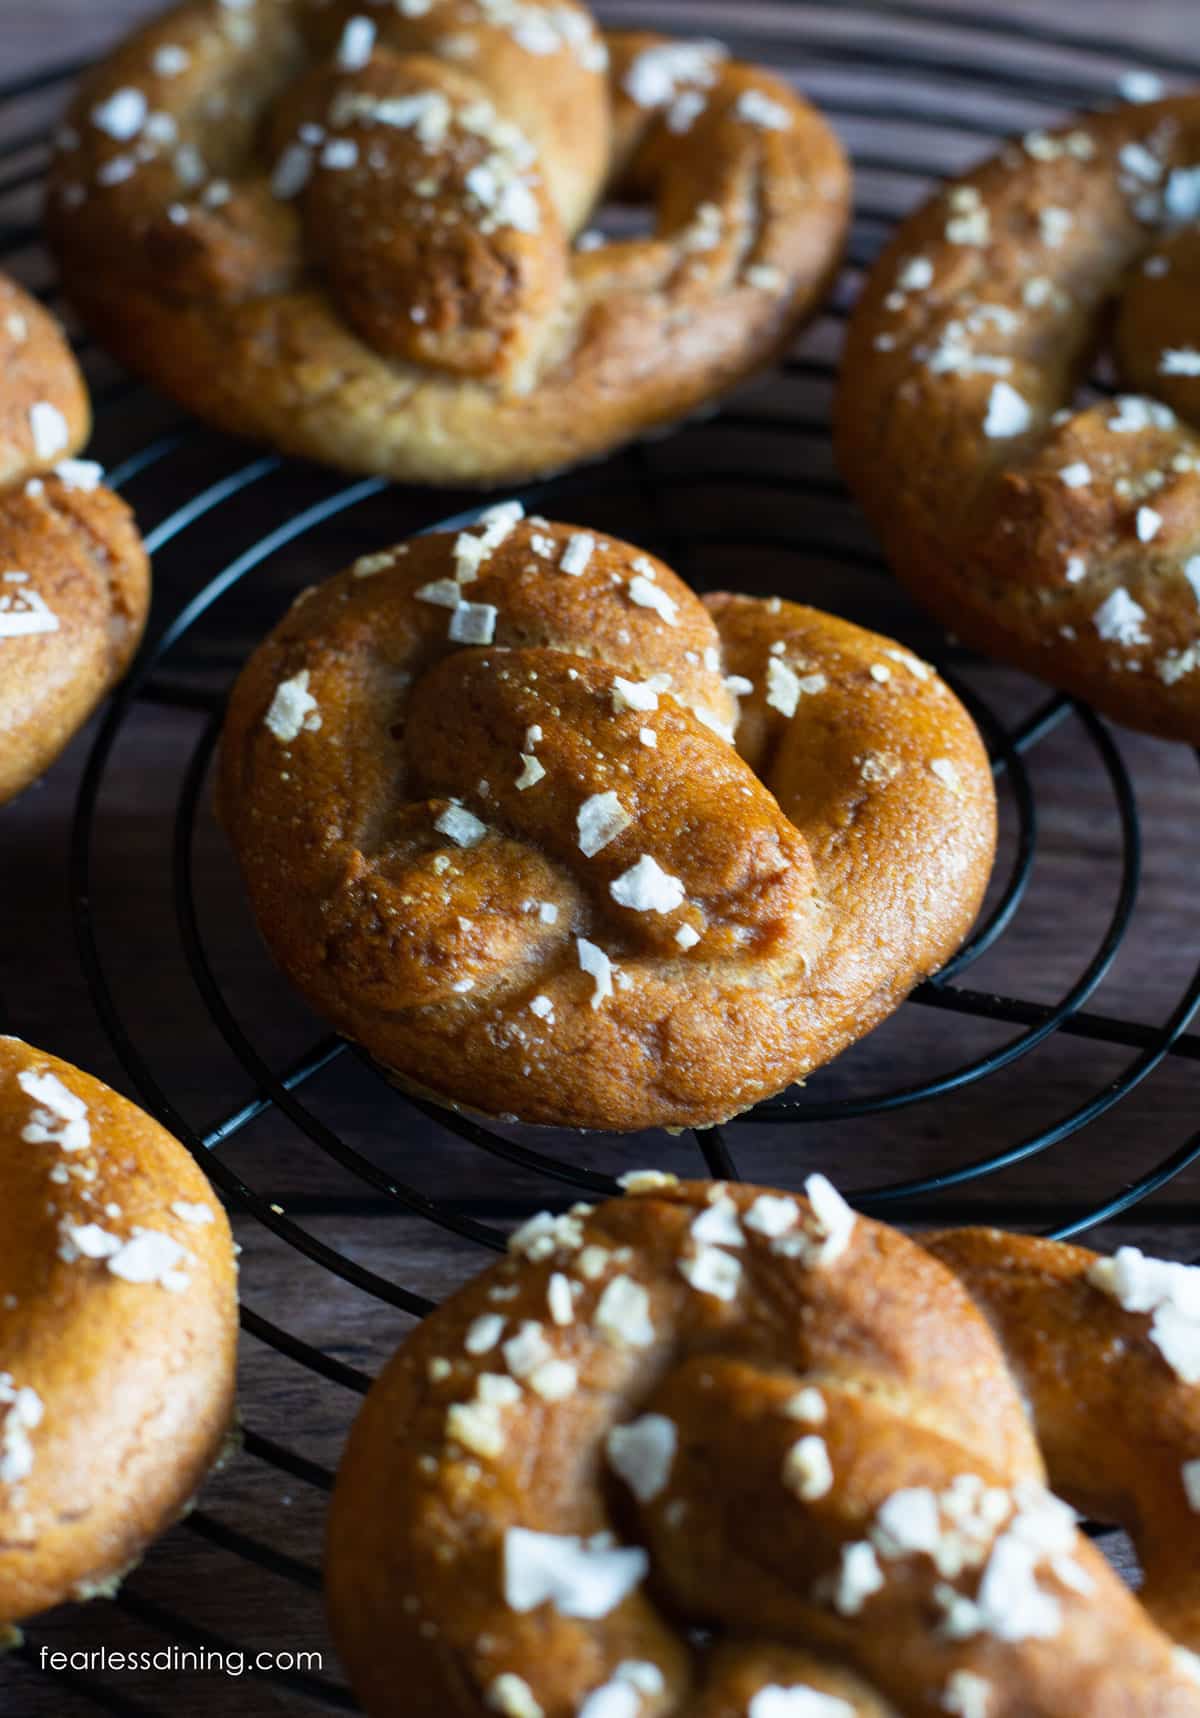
(1057, 534)
(74, 579)
(348, 228)
(734, 1454)
(530, 872)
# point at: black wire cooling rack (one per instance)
(329, 1171)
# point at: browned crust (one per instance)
(984, 530)
(78, 550)
(916, 1391)
(136, 1382)
(841, 858)
(291, 322)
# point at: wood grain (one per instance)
(748, 499)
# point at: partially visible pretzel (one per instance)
(118, 1332)
(1058, 535)
(353, 229)
(74, 580)
(726, 1453)
(483, 794)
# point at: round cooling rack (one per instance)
(1042, 1079)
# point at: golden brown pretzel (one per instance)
(74, 580)
(349, 228)
(1055, 534)
(118, 1332)
(716, 1452)
(496, 831)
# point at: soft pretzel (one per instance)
(722, 1452)
(118, 1332)
(482, 792)
(354, 229)
(74, 580)
(1054, 530)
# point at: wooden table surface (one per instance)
(746, 498)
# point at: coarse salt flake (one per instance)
(1148, 524)
(1190, 1475)
(1008, 414)
(622, 1316)
(577, 554)
(532, 772)
(635, 694)
(657, 74)
(1180, 361)
(483, 1333)
(291, 172)
(61, 1116)
(642, 1453)
(578, 1577)
(647, 888)
(1169, 1292)
(512, 1697)
(711, 1271)
(807, 1406)
(169, 60)
(755, 107)
(473, 623)
(339, 154)
(49, 429)
(719, 1224)
(967, 1695)
(122, 114)
(859, 1576)
(599, 820)
(1119, 619)
(622, 1696)
(293, 709)
(646, 594)
(357, 44)
(772, 1214)
(598, 967)
(807, 1470)
(198, 1215)
(835, 1218)
(443, 593)
(797, 1701)
(461, 825)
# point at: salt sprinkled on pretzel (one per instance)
(810, 1480)
(525, 864)
(118, 1332)
(1057, 531)
(74, 580)
(357, 229)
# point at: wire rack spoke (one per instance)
(254, 1550)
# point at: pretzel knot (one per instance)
(74, 580)
(738, 1454)
(1058, 533)
(351, 229)
(484, 797)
